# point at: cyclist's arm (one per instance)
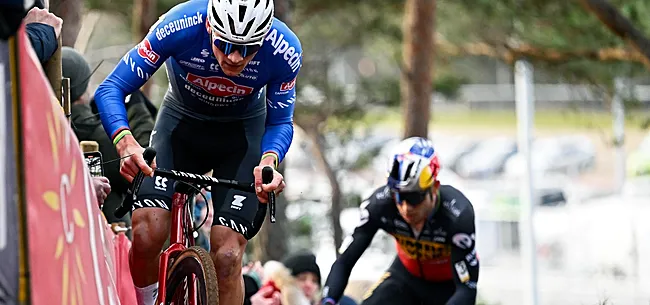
(353, 247)
(140, 119)
(465, 265)
(280, 102)
(133, 70)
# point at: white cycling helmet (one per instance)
(413, 166)
(241, 21)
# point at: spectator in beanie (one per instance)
(305, 270)
(88, 127)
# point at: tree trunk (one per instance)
(335, 210)
(270, 243)
(144, 16)
(418, 55)
(620, 26)
(70, 11)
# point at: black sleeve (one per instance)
(43, 39)
(351, 250)
(250, 288)
(464, 260)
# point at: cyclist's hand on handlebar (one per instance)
(262, 190)
(130, 166)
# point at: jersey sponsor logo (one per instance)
(178, 25)
(400, 224)
(451, 206)
(288, 85)
(214, 67)
(280, 104)
(205, 53)
(290, 54)
(364, 216)
(191, 65)
(219, 86)
(134, 67)
(422, 250)
(462, 240)
(252, 77)
(211, 100)
(196, 59)
(472, 258)
(461, 270)
(145, 51)
(237, 202)
(235, 226)
(150, 203)
(161, 183)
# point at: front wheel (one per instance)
(193, 263)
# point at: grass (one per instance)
(506, 119)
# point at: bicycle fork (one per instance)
(177, 244)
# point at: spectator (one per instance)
(43, 29)
(88, 127)
(305, 272)
(12, 13)
(102, 188)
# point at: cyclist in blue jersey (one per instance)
(232, 69)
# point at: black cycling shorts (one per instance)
(398, 286)
(230, 149)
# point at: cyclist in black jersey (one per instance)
(433, 226)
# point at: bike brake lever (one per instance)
(267, 177)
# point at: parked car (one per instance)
(569, 155)
(452, 149)
(488, 159)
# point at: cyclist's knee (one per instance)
(227, 250)
(150, 231)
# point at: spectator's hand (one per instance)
(266, 296)
(254, 268)
(102, 188)
(37, 15)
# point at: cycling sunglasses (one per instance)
(411, 198)
(229, 47)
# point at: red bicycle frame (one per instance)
(177, 243)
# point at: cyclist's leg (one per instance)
(392, 288)
(234, 210)
(151, 216)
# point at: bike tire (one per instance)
(194, 260)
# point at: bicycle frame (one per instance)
(177, 243)
(181, 237)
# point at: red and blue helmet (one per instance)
(413, 166)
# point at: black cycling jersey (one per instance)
(443, 252)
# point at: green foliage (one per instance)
(449, 85)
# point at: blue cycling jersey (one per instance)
(181, 40)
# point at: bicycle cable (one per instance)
(207, 206)
(94, 162)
